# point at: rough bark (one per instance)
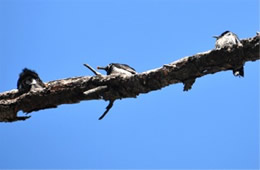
(113, 87)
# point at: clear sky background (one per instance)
(215, 125)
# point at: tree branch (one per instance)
(112, 87)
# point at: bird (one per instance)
(226, 40)
(113, 69)
(116, 68)
(29, 80)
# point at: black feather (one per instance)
(125, 67)
(110, 68)
(25, 75)
(224, 33)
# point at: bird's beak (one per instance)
(215, 36)
(101, 68)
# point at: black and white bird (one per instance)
(29, 80)
(116, 68)
(226, 40)
(120, 69)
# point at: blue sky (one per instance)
(215, 125)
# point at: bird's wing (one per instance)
(125, 67)
(221, 35)
(237, 40)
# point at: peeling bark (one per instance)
(113, 87)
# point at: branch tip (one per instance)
(92, 69)
(109, 106)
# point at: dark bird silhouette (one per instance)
(29, 80)
(116, 68)
(226, 40)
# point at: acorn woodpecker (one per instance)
(116, 68)
(226, 40)
(29, 80)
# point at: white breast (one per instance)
(116, 70)
(35, 85)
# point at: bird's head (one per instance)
(221, 35)
(103, 68)
(27, 79)
(108, 68)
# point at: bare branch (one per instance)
(92, 69)
(109, 106)
(112, 87)
(95, 90)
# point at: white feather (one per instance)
(116, 70)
